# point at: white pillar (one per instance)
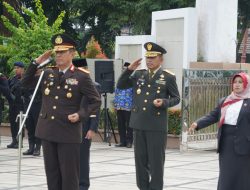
(217, 30)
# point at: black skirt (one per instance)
(234, 169)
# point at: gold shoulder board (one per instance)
(83, 70)
(168, 71)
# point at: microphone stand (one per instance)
(22, 118)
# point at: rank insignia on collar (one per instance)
(162, 76)
(71, 81)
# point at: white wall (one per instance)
(217, 28)
(130, 48)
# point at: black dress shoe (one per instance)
(28, 152)
(129, 145)
(13, 144)
(120, 145)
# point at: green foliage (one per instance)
(28, 38)
(113, 118)
(92, 51)
(174, 121)
(106, 18)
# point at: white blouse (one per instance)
(233, 112)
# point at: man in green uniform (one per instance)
(59, 124)
(155, 90)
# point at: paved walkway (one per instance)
(113, 169)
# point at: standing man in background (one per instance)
(155, 90)
(60, 121)
(16, 103)
(122, 104)
(89, 129)
(28, 87)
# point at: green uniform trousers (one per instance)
(149, 158)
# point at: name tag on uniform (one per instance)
(71, 81)
(163, 82)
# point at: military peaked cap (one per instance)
(152, 49)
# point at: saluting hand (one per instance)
(73, 117)
(43, 57)
(158, 102)
(134, 65)
(192, 127)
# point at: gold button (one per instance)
(159, 87)
(54, 107)
(145, 101)
(52, 117)
(149, 85)
(158, 113)
(158, 91)
(56, 97)
(144, 109)
(58, 87)
(147, 93)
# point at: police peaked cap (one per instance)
(62, 42)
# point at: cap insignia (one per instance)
(149, 46)
(58, 40)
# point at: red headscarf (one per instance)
(233, 97)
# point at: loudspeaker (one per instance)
(104, 75)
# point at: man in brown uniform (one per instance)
(59, 123)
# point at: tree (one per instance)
(28, 40)
(105, 18)
(93, 50)
(243, 21)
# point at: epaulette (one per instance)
(168, 71)
(83, 70)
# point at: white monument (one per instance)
(217, 30)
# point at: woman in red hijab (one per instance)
(233, 117)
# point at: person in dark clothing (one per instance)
(89, 128)
(28, 87)
(232, 116)
(60, 120)
(16, 103)
(122, 103)
(154, 91)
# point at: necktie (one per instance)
(60, 74)
(151, 74)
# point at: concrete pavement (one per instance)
(113, 169)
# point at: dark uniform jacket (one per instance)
(242, 136)
(16, 92)
(60, 98)
(92, 121)
(144, 115)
